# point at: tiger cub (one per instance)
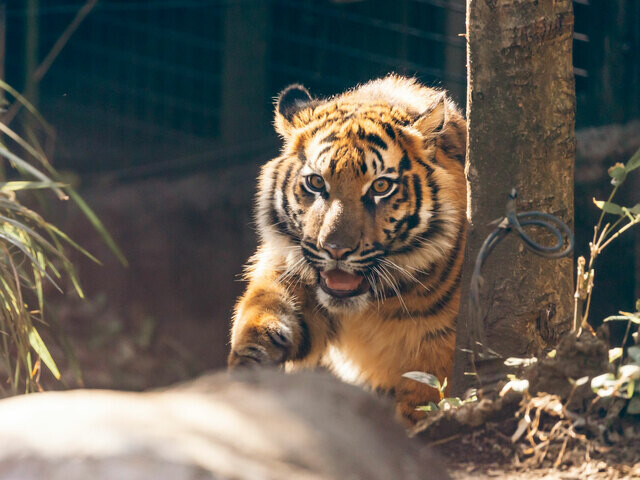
(362, 226)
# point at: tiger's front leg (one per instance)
(410, 394)
(268, 327)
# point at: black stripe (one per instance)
(388, 129)
(363, 166)
(285, 197)
(371, 250)
(378, 166)
(366, 262)
(438, 305)
(282, 223)
(409, 284)
(429, 168)
(412, 220)
(274, 217)
(426, 165)
(333, 164)
(376, 140)
(436, 223)
(405, 163)
(441, 332)
(385, 391)
(332, 137)
(311, 248)
(371, 254)
(324, 150)
(453, 255)
(304, 347)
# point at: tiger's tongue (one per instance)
(341, 280)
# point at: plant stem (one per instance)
(619, 232)
(626, 336)
(597, 228)
(613, 227)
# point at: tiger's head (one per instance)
(369, 192)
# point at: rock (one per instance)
(258, 424)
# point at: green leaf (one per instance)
(609, 207)
(18, 243)
(521, 362)
(604, 385)
(634, 406)
(97, 224)
(451, 402)
(23, 166)
(629, 372)
(33, 110)
(67, 239)
(15, 186)
(618, 174)
(581, 381)
(632, 318)
(614, 354)
(423, 377)
(515, 385)
(40, 348)
(432, 407)
(634, 162)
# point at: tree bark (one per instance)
(521, 117)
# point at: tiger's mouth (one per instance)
(341, 284)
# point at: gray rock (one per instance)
(258, 424)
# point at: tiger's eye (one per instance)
(315, 182)
(381, 186)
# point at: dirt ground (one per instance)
(555, 430)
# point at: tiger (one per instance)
(361, 222)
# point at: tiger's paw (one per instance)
(269, 343)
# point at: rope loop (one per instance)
(512, 222)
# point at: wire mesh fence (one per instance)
(142, 81)
(157, 86)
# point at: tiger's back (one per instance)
(362, 230)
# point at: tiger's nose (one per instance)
(337, 251)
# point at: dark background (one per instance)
(163, 109)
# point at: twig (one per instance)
(558, 461)
(443, 440)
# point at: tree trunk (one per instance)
(521, 116)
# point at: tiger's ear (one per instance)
(290, 101)
(432, 119)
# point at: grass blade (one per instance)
(41, 349)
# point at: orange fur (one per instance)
(407, 243)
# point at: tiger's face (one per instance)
(357, 195)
